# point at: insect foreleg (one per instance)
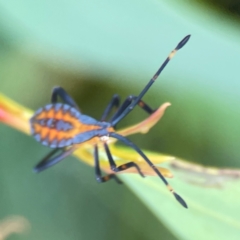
(113, 103)
(127, 103)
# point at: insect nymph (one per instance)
(63, 127)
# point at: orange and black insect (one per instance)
(63, 127)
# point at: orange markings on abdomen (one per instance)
(45, 124)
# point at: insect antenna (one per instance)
(152, 80)
(139, 151)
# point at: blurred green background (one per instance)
(95, 49)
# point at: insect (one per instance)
(63, 127)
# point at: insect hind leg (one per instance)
(51, 160)
(60, 92)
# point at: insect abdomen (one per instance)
(55, 125)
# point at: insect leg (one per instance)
(60, 92)
(113, 103)
(126, 104)
(139, 151)
(122, 167)
(98, 174)
(151, 81)
(49, 161)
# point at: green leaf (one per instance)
(213, 212)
